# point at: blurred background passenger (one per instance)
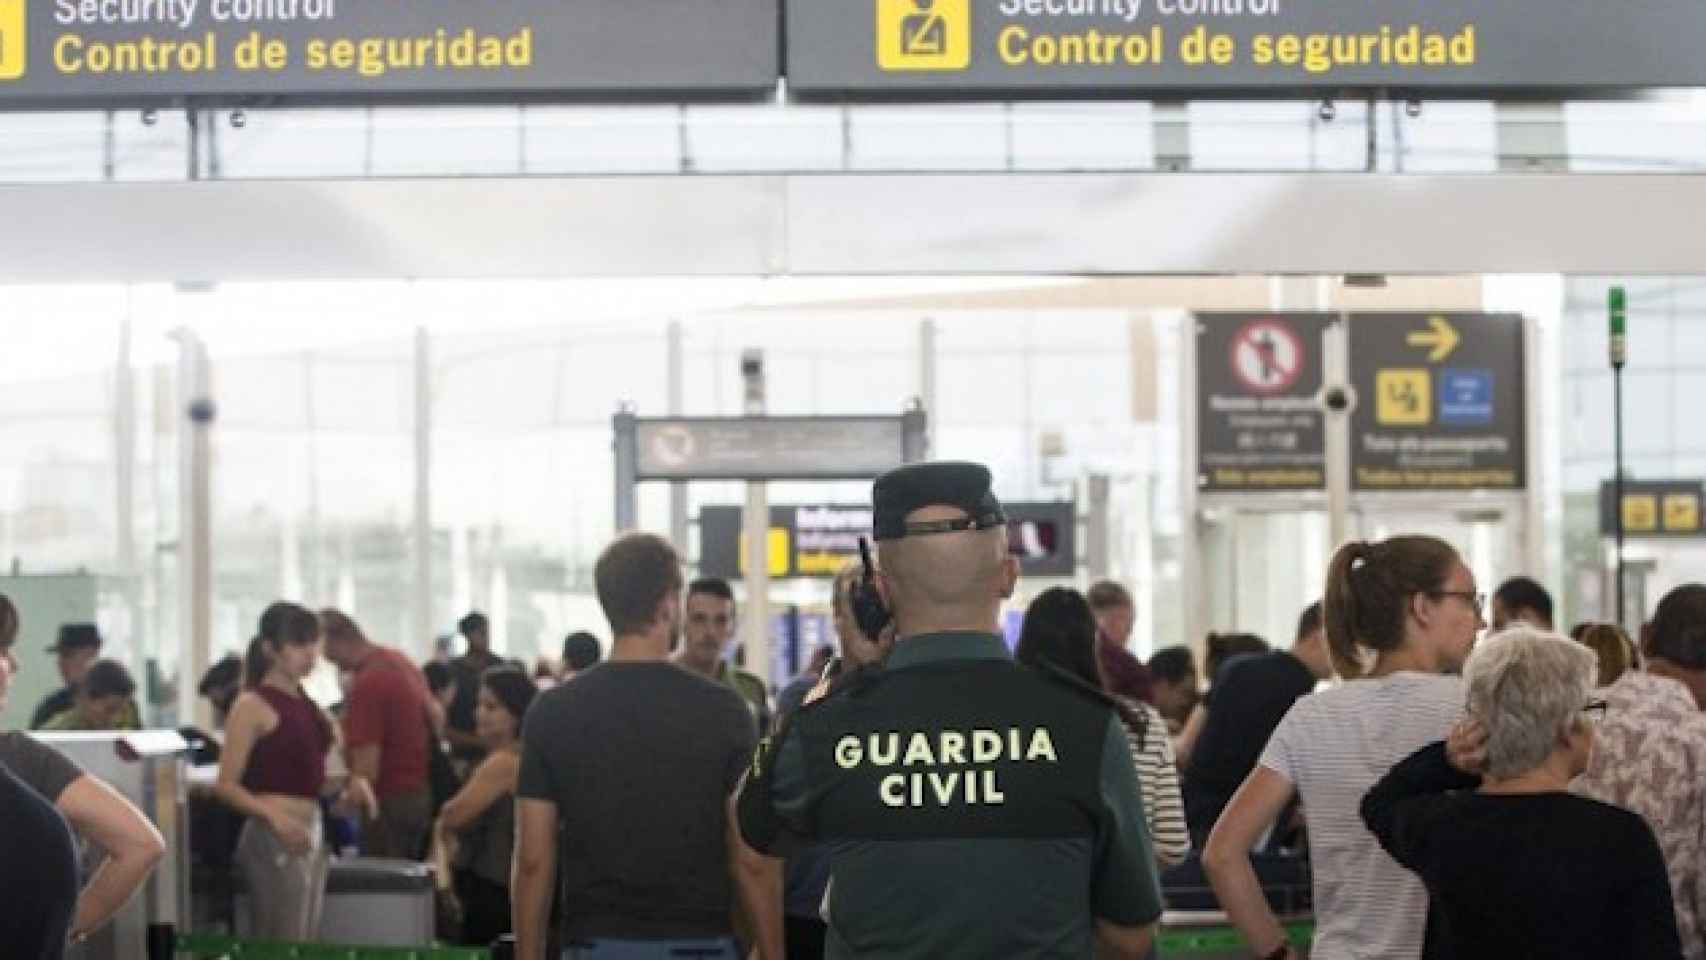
(1401, 615)
(1651, 750)
(480, 819)
(1611, 647)
(77, 649)
(1116, 614)
(1059, 633)
(388, 723)
(581, 653)
(103, 701)
(220, 686)
(1521, 600)
(1253, 694)
(1514, 864)
(1173, 674)
(1218, 650)
(468, 669)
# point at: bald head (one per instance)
(946, 581)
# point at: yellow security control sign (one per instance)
(14, 46)
(923, 34)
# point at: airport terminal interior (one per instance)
(404, 344)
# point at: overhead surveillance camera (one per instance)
(202, 410)
(1328, 111)
(751, 363)
(150, 117)
(239, 119)
(1413, 109)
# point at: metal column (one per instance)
(1096, 553)
(927, 366)
(677, 489)
(195, 540)
(421, 602)
(626, 448)
(756, 521)
(1339, 399)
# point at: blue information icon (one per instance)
(1466, 397)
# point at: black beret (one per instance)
(77, 636)
(941, 484)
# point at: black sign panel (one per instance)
(1654, 508)
(1440, 402)
(770, 448)
(128, 51)
(817, 540)
(1258, 425)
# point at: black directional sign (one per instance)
(1654, 508)
(1258, 425)
(1440, 402)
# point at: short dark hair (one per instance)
(1106, 594)
(1309, 621)
(1519, 593)
(438, 676)
(474, 621)
(512, 687)
(1222, 647)
(1678, 630)
(1173, 664)
(712, 587)
(632, 577)
(108, 678)
(581, 650)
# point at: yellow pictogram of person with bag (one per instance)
(13, 42)
(923, 34)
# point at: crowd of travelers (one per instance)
(1454, 779)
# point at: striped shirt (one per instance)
(1332, 746)
(1158, 782)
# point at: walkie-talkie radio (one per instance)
(868, 609)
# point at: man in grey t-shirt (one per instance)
(627, 772)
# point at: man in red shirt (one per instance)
(1116, 613)
(387, 726)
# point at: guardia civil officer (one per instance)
(974, 808)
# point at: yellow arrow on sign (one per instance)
(1441, 336)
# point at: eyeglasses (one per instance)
(1595, 710)
(1478, 601)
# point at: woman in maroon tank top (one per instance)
(273, 770)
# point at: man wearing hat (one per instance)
(78, 647)
(974, 808)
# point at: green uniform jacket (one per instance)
(972, 807)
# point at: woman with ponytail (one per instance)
(273, 770)
(1401, 617)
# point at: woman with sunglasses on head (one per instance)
(1401, 616)
(1516, 865)
(273, 771)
